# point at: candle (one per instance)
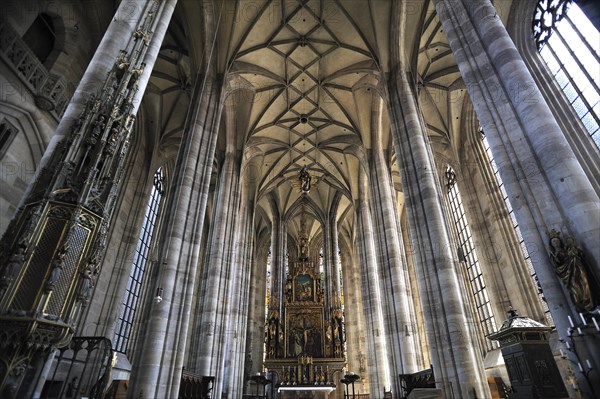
(580, 367)
(571, 321)
(568, 332)
(568, 346)
(562, 354)
(596, 324)
(583, 319)
(587, 361)
(579, 331)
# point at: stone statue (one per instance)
(288, 287)
(87, 281)
(328, 333)
(304, 178)
(57, 266)
(12, 268)
(569, 266)
(97, 131)
(272, 330)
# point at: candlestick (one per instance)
(583, 319)
(571, 321)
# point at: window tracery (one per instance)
(568, 43)
(139, 267)
(468, 256)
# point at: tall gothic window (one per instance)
(468, 255)
(140, 265)
(568, 43)
(515, 224)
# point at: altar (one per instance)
(305, 392)
(304, 332)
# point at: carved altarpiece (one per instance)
(305, 344)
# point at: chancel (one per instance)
(299, 199)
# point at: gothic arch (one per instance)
(520, 29)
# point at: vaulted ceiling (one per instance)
(305, 62)
(307, 74)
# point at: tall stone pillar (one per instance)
(159, 369)
(240, 289)
(546, 184)
(395, 294)
(215, 300)
(278, 251)
(379, 373)
(256, 313)
(52, 251)
(354, 319)
(457, 364)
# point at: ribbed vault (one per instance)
(303, 60)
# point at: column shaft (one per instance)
(240, 292)
(401, 347)
(216, 288)
(546, 184)
(159, 370)
(379, 377)
(457, 365)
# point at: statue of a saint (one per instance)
(87, 280)
(57, 266)
(304, 178)
(272, 330)
(569, 266)
(12, 268)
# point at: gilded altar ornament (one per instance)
(568, 262)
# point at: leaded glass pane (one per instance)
(138, 268)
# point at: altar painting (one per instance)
(305, 288)
(305, 334)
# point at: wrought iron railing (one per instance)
(80, 369)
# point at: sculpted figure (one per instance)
(57, 266)
(304, 180)
(567, 260)
(12, 268)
